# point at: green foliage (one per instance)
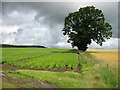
(109, 76)
(40, 58)
(45, 58)
(85, 25)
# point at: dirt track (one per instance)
(28, 82)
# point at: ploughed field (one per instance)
(56, 68)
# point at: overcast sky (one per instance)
(41, 23)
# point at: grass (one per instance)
(18, 81)
(61, 79)
(7, 85)
(95, 74)
(89, 79)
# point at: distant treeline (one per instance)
(21, 46)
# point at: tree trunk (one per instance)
(79, 67)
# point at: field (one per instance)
(108, 56)
(40, 58)
(56, 68)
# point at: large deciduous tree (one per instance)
(86, 25)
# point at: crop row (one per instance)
(42, 58)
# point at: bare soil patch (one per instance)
(8, 67)
(29, 82)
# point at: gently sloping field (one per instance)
(46, 58)
(34, 67)
(108, 56)
(39, 58)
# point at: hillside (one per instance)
(21, 46)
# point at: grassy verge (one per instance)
(6, 84)
(94, 79)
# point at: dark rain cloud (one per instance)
(50, 16)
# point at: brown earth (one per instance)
(28, 82)
(8, 67)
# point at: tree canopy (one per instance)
(86, 25)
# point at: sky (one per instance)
(41, 23)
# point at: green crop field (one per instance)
(39, 58)
(43, 58)
(32, 65)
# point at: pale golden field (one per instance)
(109, 56)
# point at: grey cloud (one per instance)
(50, 15)
(7, 38)
(55, 13)
(119, 19)
(18, 35)
(110, 44)
(0, 20)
